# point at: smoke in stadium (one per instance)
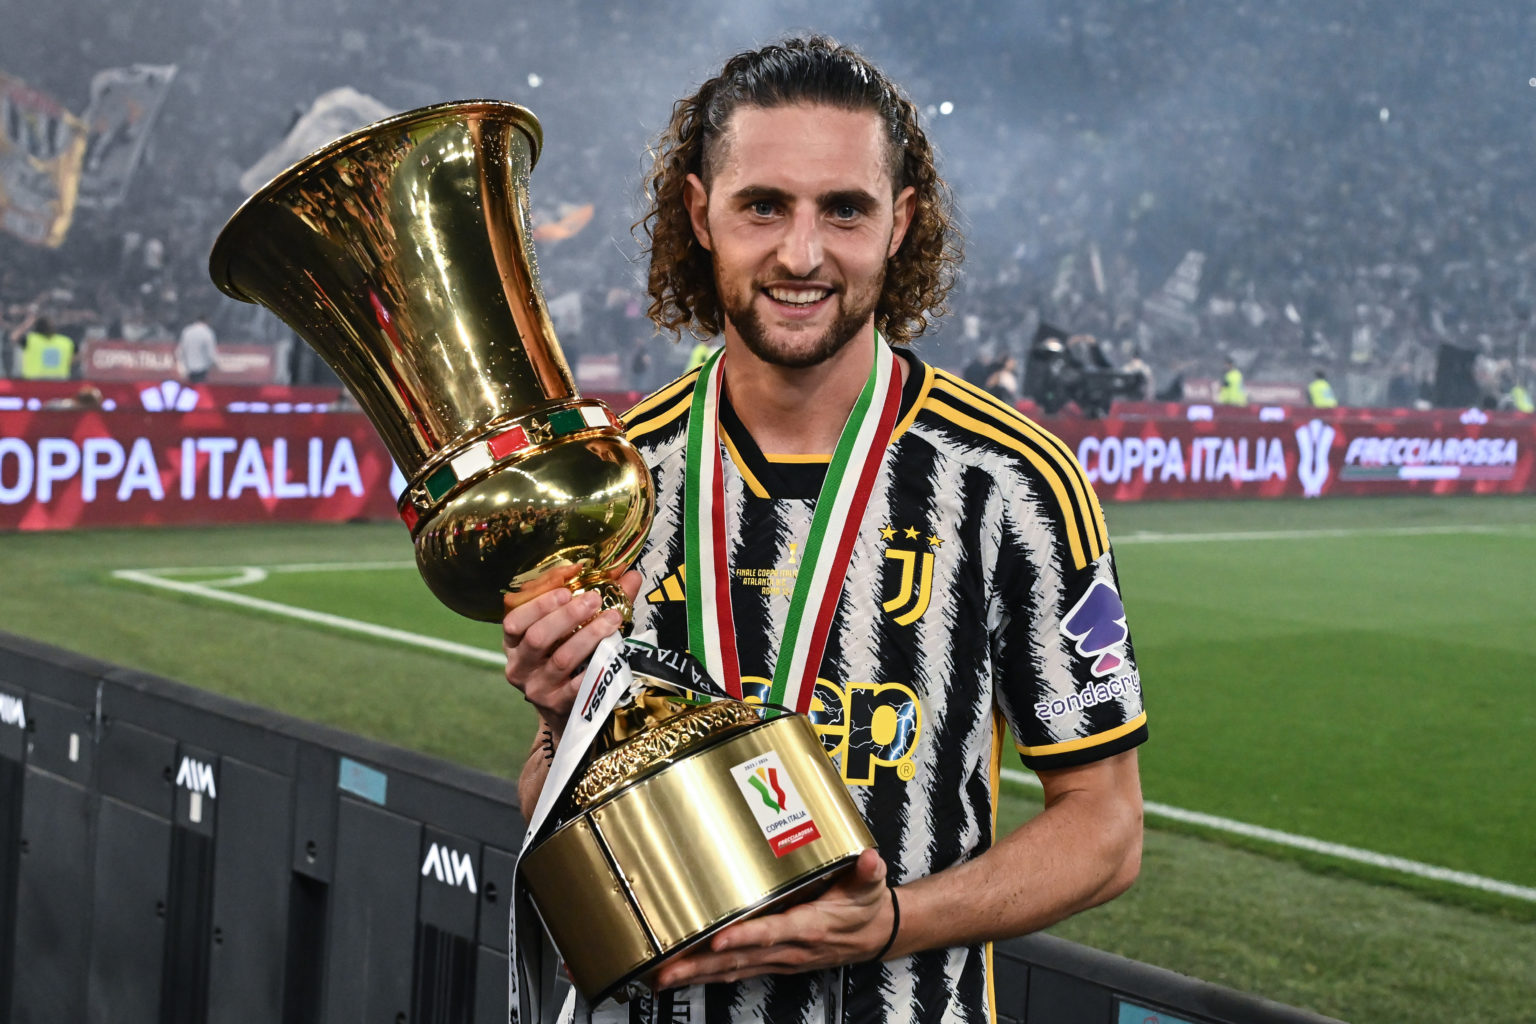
(1328, 186)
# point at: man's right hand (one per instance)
(549, 634)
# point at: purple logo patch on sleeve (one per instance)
(1097, 623)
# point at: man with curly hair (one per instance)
(848, 531)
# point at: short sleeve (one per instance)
(1066, 675)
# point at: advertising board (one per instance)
(67, 469)
(1304, 453)
(169, 453)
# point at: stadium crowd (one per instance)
(1320, 184)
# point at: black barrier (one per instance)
(174, 856)
(1045, 979)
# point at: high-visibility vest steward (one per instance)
(1232, 391)
(47, 356)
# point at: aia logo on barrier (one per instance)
(12, 711)
(197, 777)
(1097, 623)
(169, 396)
(450, 867)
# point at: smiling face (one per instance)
(800, 219)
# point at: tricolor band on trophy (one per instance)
(402, 253)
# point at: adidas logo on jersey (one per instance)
(671, 588)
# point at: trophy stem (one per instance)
(611, 594)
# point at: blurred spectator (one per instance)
(701, 352)
(197, 350)
(640, 370)
(1517, 398)
(1003, 381)
(45, 353)
(1232, 390)
(978, 369)
(1137, 365)
(1402, 389)
(1320, 392)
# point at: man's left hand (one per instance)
(848, 923)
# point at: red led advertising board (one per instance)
(1300, 452)
(61, 469)
(231, 455)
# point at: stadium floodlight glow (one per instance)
(534, 81)
(946, 108)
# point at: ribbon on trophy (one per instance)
(618, 670)
(606, 681)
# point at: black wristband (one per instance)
(895, 925)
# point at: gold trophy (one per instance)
(402, 253)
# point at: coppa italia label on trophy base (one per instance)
(776, 805)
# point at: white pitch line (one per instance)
(280, 568)
(1269, 835)
(1145, 537)
(241, 578)
(1337, 850)
(320, 618)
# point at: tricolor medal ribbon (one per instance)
(835, 525)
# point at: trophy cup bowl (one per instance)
(402, 253)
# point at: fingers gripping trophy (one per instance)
(402, 253)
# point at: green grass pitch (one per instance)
(1358, 672)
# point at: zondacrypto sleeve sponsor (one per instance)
(1092, 694)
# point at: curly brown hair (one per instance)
(813, 69)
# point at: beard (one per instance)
(854, 311)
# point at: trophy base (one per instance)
(742, 826)
(800, 891)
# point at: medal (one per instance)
(835, 525)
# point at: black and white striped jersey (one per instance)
(981, 599)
